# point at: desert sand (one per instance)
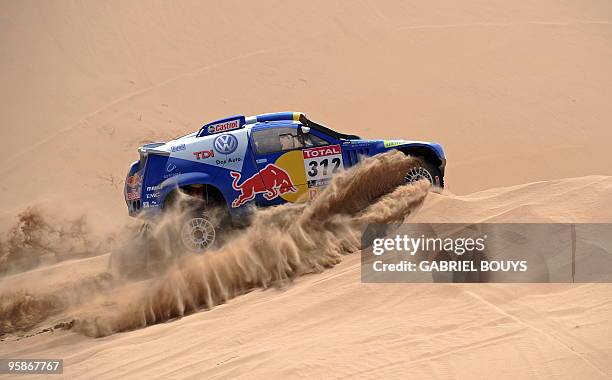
(518, 94)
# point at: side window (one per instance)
(271, 140)
(311, 140)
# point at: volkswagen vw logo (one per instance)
(226, 144)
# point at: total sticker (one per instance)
(322, 163)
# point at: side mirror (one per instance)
(305, 130)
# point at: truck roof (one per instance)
(240, 121)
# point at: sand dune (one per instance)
(331, 323)
(518, 94)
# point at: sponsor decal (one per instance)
(226, 144)
(229, 160)
(204, 154)
(277, 179)
(133, 180)
(133, 183)
(151, 204)
(321, 164)
(392, 143)
(322, 151)
(153, 188)
(154, 195)
(313, 192)
(178, 148)
(293, 163)
(204, 150)
(170, 167)
(166, 176)
(225, 126)
(318, 183)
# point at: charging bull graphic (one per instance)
(277, 178)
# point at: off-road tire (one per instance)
(425, 170)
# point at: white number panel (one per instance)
(322, 163)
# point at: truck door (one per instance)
(291, 164)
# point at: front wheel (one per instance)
(197, 231)
(425, 170)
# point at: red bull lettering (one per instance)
(277, 179)
(132, 195)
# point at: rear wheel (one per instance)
(425, 170)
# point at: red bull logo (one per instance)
(133, 180)
(277, 179)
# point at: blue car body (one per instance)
(261, 160)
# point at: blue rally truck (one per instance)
(262, 160)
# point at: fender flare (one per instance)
(186, 179)
(432, 152)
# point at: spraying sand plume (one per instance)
(282, 243)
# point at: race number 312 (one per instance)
(322, 162)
